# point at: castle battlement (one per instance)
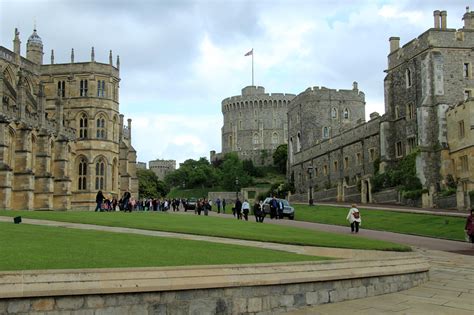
(437, 37)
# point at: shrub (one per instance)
(447, 192)
(412, 194)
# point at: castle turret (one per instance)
(34, 48)
(468, 19)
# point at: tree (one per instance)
(232, 169)
(193, 174)
(280, 157)
(149, 186)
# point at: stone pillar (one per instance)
(62, 182)
(23, 177)
(6, 174)
(44, 184)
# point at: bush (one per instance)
(402, 175)
(412, 194)
(447, 192)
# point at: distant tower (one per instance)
(34, 48)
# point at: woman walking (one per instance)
(354, 218)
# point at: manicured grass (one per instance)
(27, 246)
(400, 222)
(213, 226)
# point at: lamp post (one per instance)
(310, 174)
(236, 188)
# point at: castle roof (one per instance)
(35, 39)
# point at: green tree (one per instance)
(193, 174)
(232, 169)
(280, 156)
(149, 186)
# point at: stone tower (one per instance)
(34, 48)
(255, 124)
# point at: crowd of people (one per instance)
(241, 210)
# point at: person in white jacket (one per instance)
(354, 218)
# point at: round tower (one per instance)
(255, 123)
(34, 48)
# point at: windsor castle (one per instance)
(62, 137)
(429, 108)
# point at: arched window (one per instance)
(333, 113)
(255, 139)
(275, 138)
(325, 132)
(83, 127)
(100, 174)
(100, 124)
(231, 144)
(346, 113)
(82, 178)
(11, 150)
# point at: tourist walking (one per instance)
(223, 205)
(99, 198)
(218, 204)
(246, 209)
(273, 208)
(238, 209)
(354, 218)
(469, 228)
(258, 211)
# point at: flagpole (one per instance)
(252, 68)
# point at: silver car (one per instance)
(288, 210)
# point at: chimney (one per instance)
(52, 56)
(437, 21)
(444, 16)
(355, 86)
(394, 43)
(72, 55)
(468, 19)
(92, 54)
(110, 57)
(129, 129)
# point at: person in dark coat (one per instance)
(469, 227)
(99, 198)
(238, 209)
(273, 208)
(223, 205)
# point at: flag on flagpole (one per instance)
(250, 53)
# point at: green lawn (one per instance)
(400, 222)
(27, 246)
(213, 226)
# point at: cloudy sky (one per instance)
(180, 58)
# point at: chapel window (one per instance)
(346, 113)
(100, 124)
(333, 113)
(100, 174)
(62, 88)
(83, 88)
(82, 178)
(83, 127)
(408, 78)
(101, 88)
